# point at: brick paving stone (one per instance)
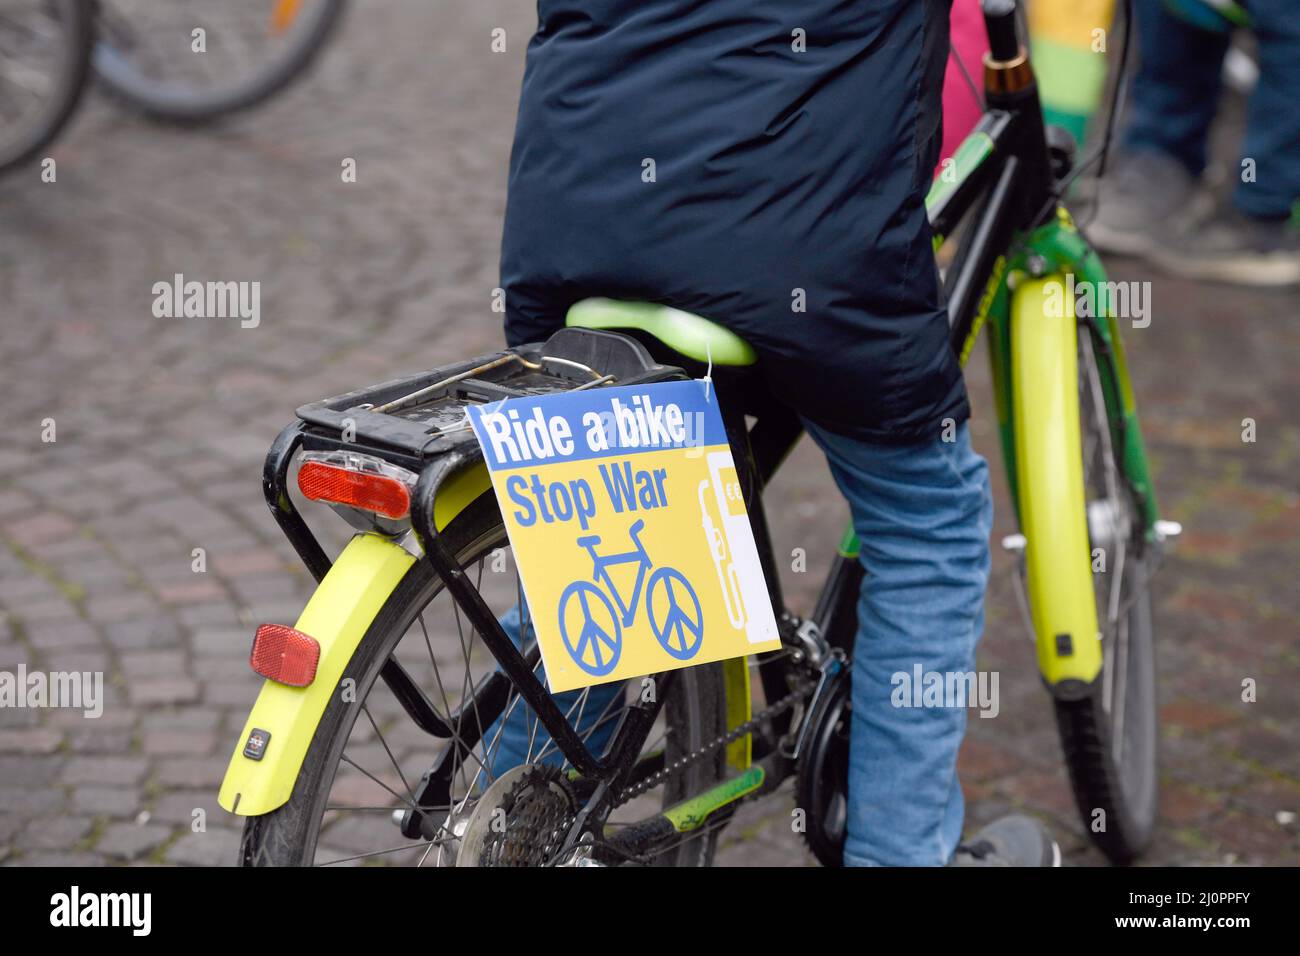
(184, 718)
(1182, 805)
(53, 833)
(222, 642)
(62, 634)
(210, 615)
(157, 630)
(35, 740)
(179, 743)
(190, 592)
(130, 841)
(248, 563)
(236, 693)
(39, 528)
(105, 771)
(1195, 715)
(29, 768)
(215, 847)
(178, 807)
(149, 664)
(92, 739)
(56, 608)
(82, 659)
(59, 860)
(192, 773)
(164, 691)
(13, 718)
(115, 802)
(121, 606)
(1252, 839)
(28, 799)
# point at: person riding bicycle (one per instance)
(765, 165)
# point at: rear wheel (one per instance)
(363, 769)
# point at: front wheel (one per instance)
(1087, 570)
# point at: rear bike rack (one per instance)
(420, 423)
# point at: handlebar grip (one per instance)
(1000, 22)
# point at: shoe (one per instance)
(1014, 840)
(1137, 200)
(1228, 246)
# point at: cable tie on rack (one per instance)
(708, 374)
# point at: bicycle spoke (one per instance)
(365, 709)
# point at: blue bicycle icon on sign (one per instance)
(592, 618)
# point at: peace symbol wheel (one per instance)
(675, 614)
(590, 628)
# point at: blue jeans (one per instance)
(923, 514)
(1176, 96)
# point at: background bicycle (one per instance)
(189, 61)
(44, 54)
(183, 62)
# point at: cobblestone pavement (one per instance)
(162, 425)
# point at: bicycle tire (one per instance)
(121, 78)
(288, 835)
(77, 22)
(1115, 793)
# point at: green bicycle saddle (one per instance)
(692, 335)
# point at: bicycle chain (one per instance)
(695, 756)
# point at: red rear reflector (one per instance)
(341, 486)
(284, 655)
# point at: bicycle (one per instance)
(679, 632)
(651, 778)
(145, 54)
(44, 57)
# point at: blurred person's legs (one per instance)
(522, 738)
(1148, 207)
(1176, 89)
(923, 513)
(1174, 97)
(1273, 117)
(1255, 239)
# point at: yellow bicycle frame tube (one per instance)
(1049, 466)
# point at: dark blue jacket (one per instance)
(778, 174)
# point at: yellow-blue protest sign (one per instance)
(629, 530)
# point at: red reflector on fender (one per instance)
(379, 494)
(284, 655)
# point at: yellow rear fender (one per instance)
(338, 616)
